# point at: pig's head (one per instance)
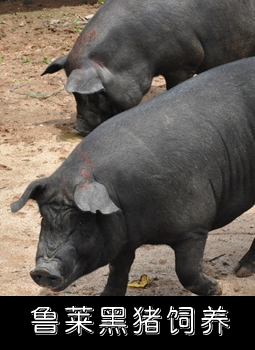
(77, 231)
(99, 93)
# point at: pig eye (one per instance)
(82, 222)
(103, 100)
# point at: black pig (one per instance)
(128, 42)
(165, 172)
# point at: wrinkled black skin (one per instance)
(137, 40)
(177, 167)
(73, 243)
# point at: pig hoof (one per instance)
(82, 131)
(218, 290)
(215, 290)
(111, 294)
(211, 288)
(244, 271)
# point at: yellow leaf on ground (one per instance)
(142, 283)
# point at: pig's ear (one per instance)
(56, 65)
(84, 81)
(93, 197)
(28, 194)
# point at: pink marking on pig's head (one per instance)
(86, 174)
(92, 37)
(84, 157)
(84, 185)
(101, 64)
(86, 164)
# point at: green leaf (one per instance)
(45, 60)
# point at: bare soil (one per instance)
(35, 116)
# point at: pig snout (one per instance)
(87, 122)
(47, 275)
(46, 279)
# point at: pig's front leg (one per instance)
(189, 257)
(177, 77)
(118, 277)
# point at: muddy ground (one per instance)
(35, 115)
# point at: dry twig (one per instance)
(34, 94)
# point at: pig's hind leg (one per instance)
(246, 266)
(188, 262)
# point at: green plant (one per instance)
(45, 60)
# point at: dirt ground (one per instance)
(36, 135)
